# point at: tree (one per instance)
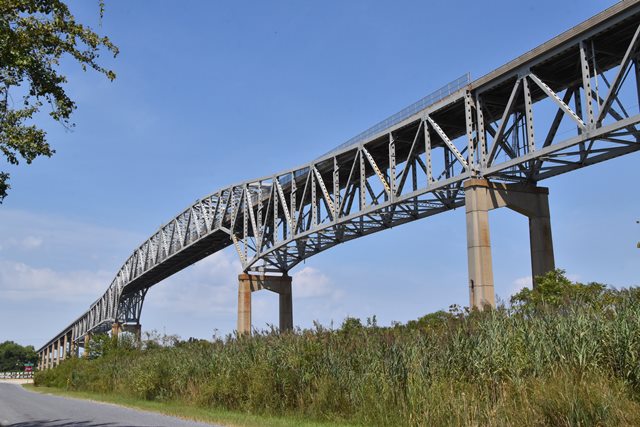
(554, 289)
(34, 36)
(13, 356)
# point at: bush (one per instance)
(562, 354)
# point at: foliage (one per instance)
(13, 356)
(35, 35)
(555, 290)
(101, 345)
(573, 359)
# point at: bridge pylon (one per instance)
(249, 283)
(482, 196)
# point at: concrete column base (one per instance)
(248, 283)
(481, 196)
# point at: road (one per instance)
(22, 408)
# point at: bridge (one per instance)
(482, 144)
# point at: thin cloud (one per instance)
(520, 283)
(27, 243)
(22, 282)
(311, 283)
(31, 242)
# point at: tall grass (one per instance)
(570, 364)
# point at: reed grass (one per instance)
(572, 362)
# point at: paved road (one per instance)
(22, 408)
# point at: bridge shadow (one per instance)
(62, 423)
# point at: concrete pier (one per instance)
(135, 329)
(65, 347)
(116, 328)
(73, 346)
(57, 352)
(481, 196)
(248, 283)
(87, 340)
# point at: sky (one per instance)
(209, 93)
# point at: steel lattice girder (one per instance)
(492, 128)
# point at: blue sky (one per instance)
(212, 93)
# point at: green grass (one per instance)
(189, 412)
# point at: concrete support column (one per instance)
(481, 292)
(286, 308)
(57, 352)
(87, 339)
(73, 345)
(248, 283)
(41, 366)
(481, 196)
(73, 348)
(136, 330)
(116, 328)
(65, 347)
(541, 241)
(244, 304)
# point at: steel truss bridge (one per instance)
(569, 103)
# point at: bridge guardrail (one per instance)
(16, 375)
(419, 105)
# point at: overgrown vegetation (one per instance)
(563, 354)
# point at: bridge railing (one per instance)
(16, 375)
(406, 112)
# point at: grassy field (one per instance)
(565, 354)
(181, 410)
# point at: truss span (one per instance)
(569, 103)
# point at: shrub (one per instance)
(562, 354)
